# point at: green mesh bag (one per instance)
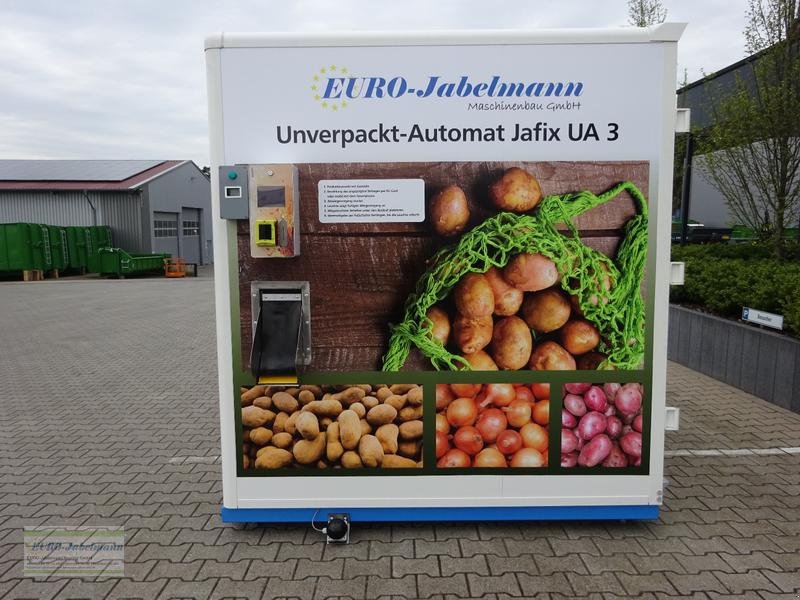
(617, 310)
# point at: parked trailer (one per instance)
(59, 247)
(77, 246)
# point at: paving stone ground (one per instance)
(107, 385)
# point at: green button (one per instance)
(232, 175)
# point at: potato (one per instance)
(351, 460)
(507, 299)
(306, 396)
(279, 423)
(410, 413)
(402, 388)
(307, 425)
(383, 393)
(511, 343)
(472, 334)
(411, 430)
(349, 429)
(473, 296)
(291, 423)
(546, 311)
(579, 336)
(516, 190)
(531, 272)
(595, 451)
(549, 356)
(387, 436)
(395, 401)
(440, 324)
(409, 448)
(307, 452)
(314, 389)
(391, 461)
(449, 211)
(246, 461)
(414, 396)
(370, 451)
(260, 436)
(253, 393)
(481, 361)
(324, 408)
(365, 427)
(284, 402)
(348, 396)
(273, 458)
(264, 402)
(252, 416)
(359, 409)
(590, 361)
(381, 414)
(334, 448)
(370, 401)
(282, 440)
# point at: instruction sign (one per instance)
(371, 200)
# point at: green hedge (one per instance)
(723, 278)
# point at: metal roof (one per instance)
(72, 170)
(81, 174)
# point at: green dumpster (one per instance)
(24, 247)
(76, 246)
(97, 238)
(58, 247)
(115, 261)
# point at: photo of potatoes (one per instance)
(495, 425)
(601, 425)
(332, 427)
(517, 265)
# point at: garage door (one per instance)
(165, 233)
(190, 235)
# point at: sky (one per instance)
(126, 79)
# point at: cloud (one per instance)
(95, 79)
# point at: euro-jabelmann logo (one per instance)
(335, 87)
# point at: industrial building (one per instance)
(150, 205)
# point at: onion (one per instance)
(568, 419)
(444, 396)
(462, 411)
(541, 390)
(527, 457)
(577, 388)
(569, 442)
(442, 424)
(442, 444)
(595, 399)
(541, 412)
(509, 441)
(490, 423)
(534, 436)
(465, 390)
(468, 439)
(490, 457)
(524, 393)
(575, 405)
(499, 394)
(454, 458)
(519, 412)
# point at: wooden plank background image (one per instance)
(361, 273)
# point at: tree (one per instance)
(643, 13)
(752, 149)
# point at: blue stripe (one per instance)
(455, 513)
